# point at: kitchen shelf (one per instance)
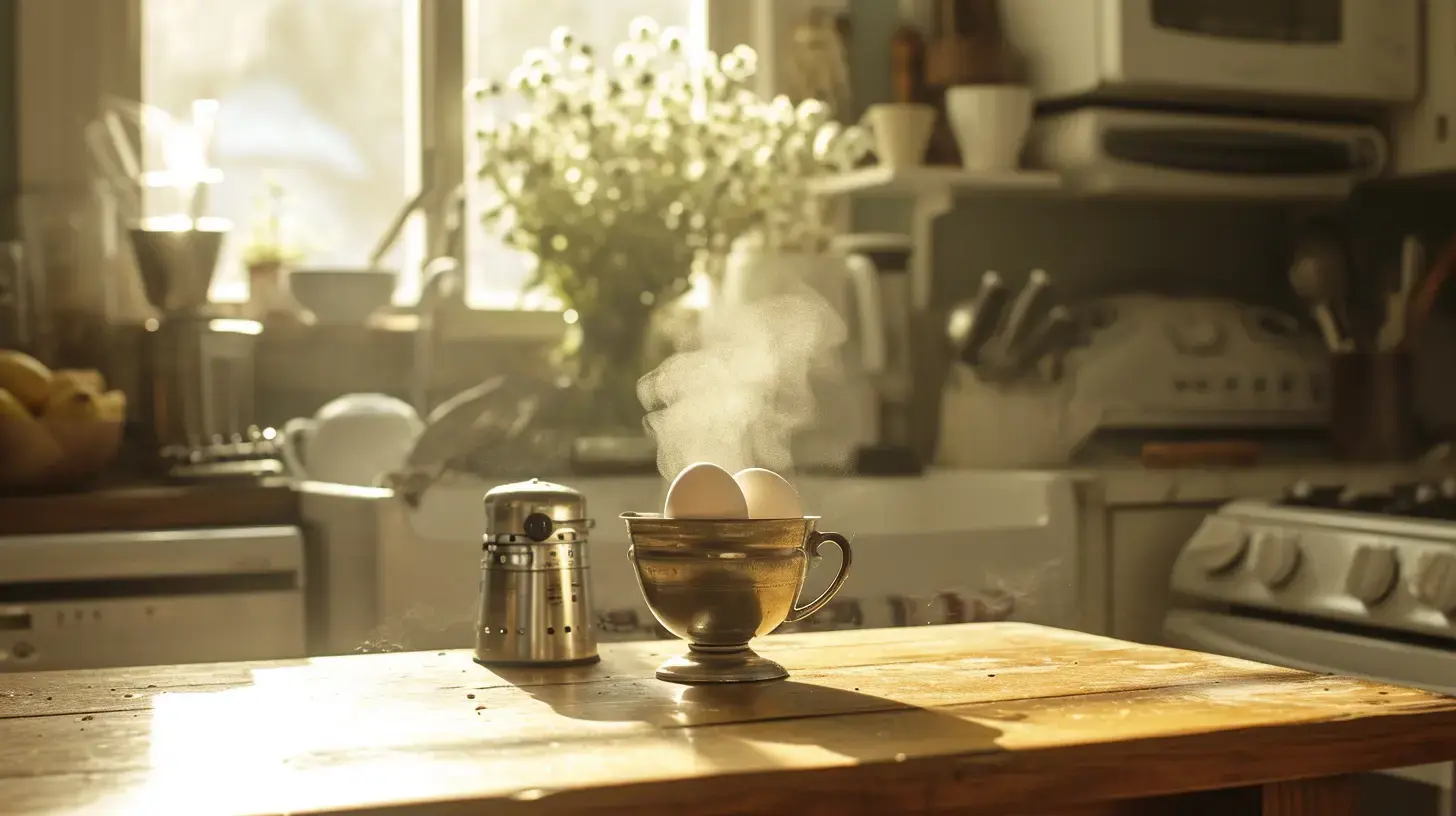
(923, 181)
(932, 192)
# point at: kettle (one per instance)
(354, 440)
(843, 391)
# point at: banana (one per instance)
(89, 378)
(72, 402)
(10, 407)
(111, 406)
(26, 378)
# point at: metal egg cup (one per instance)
(720, 583)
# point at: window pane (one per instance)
(312, 96)
(503, 32)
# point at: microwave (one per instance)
(1250, 54)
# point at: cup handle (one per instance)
(846, 556)
(295, 434)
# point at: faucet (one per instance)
(443, 281)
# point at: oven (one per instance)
(1251, 53)
(1337, 582)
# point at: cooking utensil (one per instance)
(720, 583)
(1057, 328)
(535, 587)
(112, 165)
(1318, 275)
(1398, 303)
(972, 323)
(1019, 321)
(204, 128)
(126, 153)
(1212, 453)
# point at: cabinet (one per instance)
(1423, 135)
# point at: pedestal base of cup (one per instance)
(720, 664)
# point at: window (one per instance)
(323, 98)
(499, 35)
(317, 95)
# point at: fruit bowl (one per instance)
(58, 429)
(54, 454)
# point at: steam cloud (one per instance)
(738, 397)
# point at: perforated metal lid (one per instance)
(533, 508)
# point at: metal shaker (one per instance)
(535, 588)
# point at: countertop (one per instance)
(977, 718)
(149, 507)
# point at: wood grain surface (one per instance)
(975, 718)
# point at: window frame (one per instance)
(73, 55)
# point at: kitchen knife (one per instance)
(972, 324)
(1054, 331)
(1018, 324)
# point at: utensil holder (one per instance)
(1372, 416)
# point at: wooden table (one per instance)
(977, 718)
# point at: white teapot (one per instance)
(355, 440)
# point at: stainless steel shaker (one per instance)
(535, 589)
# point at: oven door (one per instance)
(1325, 652)
(1325, 50)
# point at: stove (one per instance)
(1333, 581)
(1376, 564)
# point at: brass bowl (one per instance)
(720, 583)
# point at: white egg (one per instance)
(768, 495)
(704, 491)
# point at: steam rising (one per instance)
(737, 399)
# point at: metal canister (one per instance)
(535, 588)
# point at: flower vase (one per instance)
(608, 359)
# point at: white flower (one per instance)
(643, 30)
(672, 40)
(665, 154)
(562, 39)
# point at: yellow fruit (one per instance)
(111, 406)
(10, 407)
(72, 402)
(26, 378)
(91, 379)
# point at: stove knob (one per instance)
(1434, 583)
(1275, 558)
(1220, 549)
(1372, 575)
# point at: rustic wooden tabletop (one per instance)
(976, 718)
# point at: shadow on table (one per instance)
(735, 726)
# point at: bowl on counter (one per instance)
(342, 295)
(58, 455)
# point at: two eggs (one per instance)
(706, 491)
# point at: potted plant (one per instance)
(267, 257)
(622, 180)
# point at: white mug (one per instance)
(901, 131)
(990, 123)
(354, 440)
